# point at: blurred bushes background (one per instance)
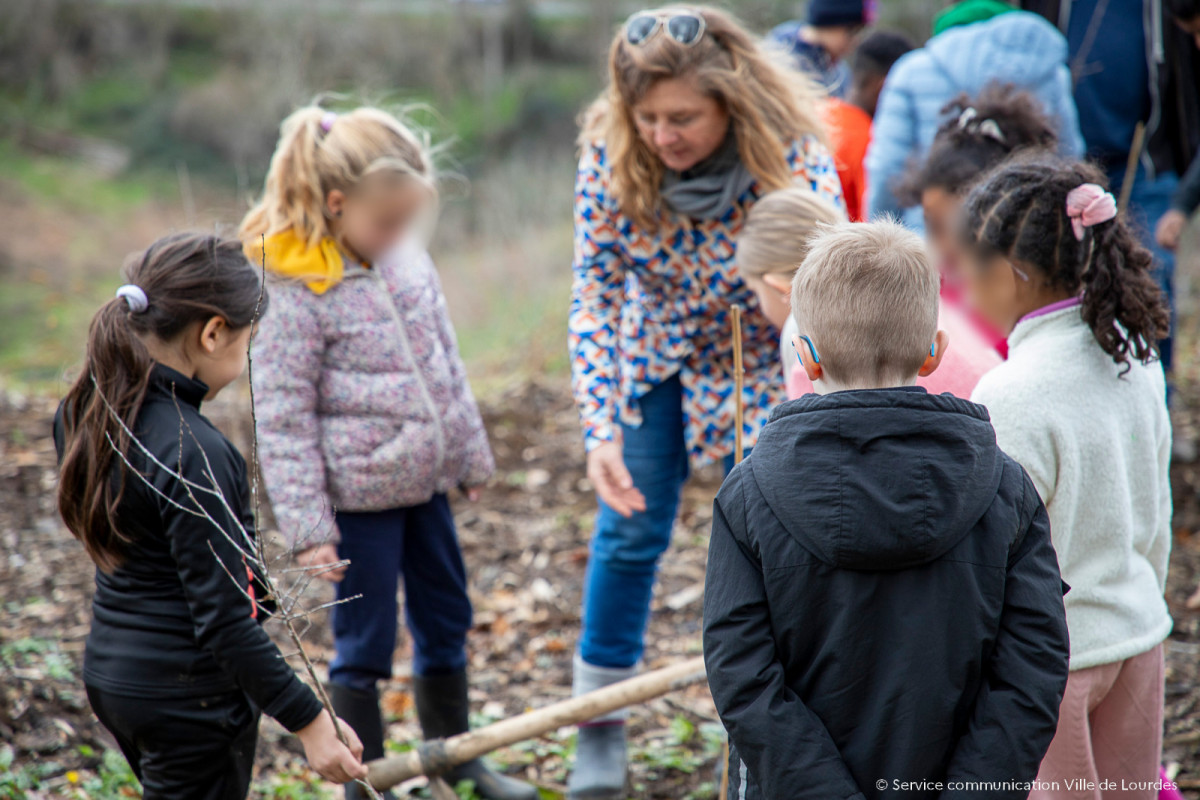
(121, 119)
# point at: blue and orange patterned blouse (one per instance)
(647, 305)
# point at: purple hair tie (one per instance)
(327, 120)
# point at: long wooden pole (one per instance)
(1131, 166)
(739, 380)
(439, 755)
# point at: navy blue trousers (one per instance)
(625, 551)
(420, 545)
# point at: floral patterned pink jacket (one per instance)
(362, 399)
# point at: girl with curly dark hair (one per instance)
(1081, 405)
(979, 133)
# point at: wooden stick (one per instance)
(1131, 166)
(739, 380)
(437, 756)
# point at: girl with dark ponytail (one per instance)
(1081, 405)
(177, 665)
(979, 133)
(192, 279)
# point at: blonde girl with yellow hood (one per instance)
(364, 410)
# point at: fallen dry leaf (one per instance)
(396, 704)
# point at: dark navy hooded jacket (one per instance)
(883, 605)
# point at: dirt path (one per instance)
(525, 546)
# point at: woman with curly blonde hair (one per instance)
(698, 121)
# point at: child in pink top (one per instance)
(967, 358)
(980, 132)
(772, 245)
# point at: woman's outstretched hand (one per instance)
(606, 471)
(326, 754)
(319, 556)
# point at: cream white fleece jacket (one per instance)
(1097, 445)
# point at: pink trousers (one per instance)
(1109, 739)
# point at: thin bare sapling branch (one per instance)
(289, 617)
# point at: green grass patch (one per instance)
(687, 749)
(45, 329)
(524, 99)
(109, 777)
(40, 655)
(292, 784)
(525, 332)
(100, 105)
(69, 184)
(112, 780)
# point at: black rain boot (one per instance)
(359, 708)
(442, 708)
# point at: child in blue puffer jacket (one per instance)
(975, 43)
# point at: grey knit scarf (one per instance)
(709, 189)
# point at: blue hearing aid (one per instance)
(812, 348)
(933, 350)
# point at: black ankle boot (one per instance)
(442, 709)
(359, 708)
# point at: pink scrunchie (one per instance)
(1088, 205)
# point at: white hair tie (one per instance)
(135, 297)
(969, 122)
(991, 129)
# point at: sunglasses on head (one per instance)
(684, 27)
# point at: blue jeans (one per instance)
(625, 552)
(1148, 201)
(420, 543)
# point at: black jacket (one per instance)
(883, 604)
(170, 622)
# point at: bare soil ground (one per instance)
(525, 546)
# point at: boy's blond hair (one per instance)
(867, 296)
(778, 228)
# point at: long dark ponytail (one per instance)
(186, 278)
(1019, 211)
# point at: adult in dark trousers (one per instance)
(1186, 14)
(1123, 81)
(697, 122)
